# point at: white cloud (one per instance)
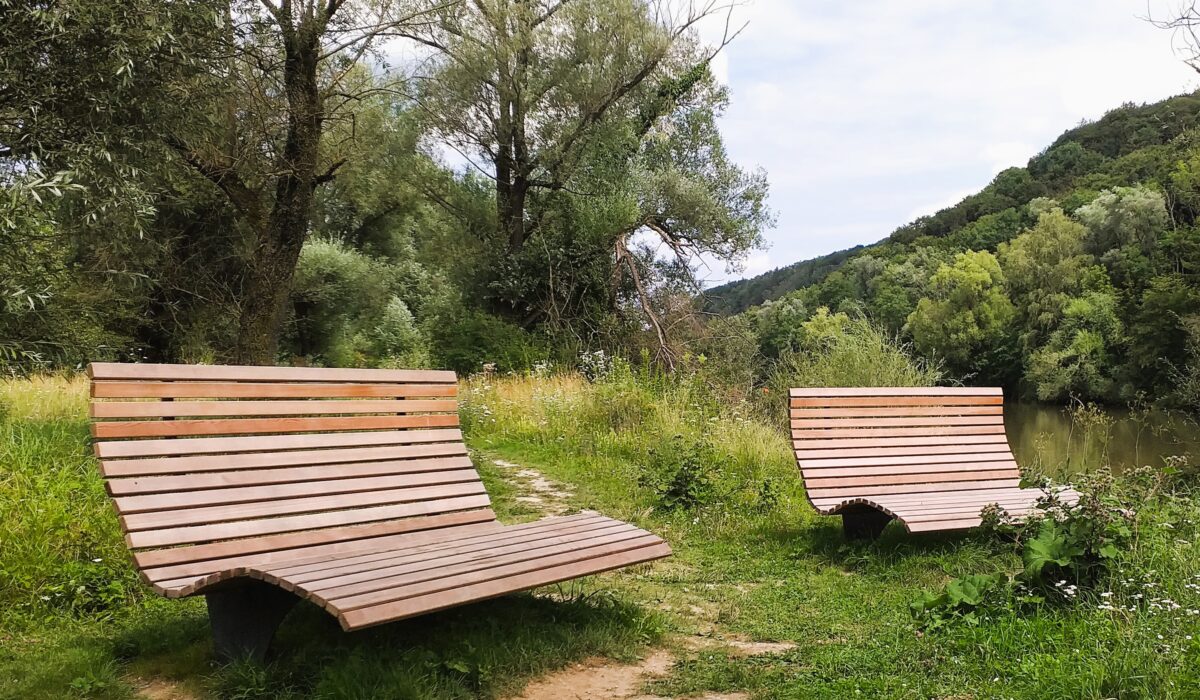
(862, 111)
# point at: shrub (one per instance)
(464, 340)
(681, 474)
(841, 350)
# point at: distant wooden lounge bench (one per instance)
(260, 486)
(931, 458)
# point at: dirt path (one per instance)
(600, 678)
(540, 493)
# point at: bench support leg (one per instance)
(864, 523)
(244, 618)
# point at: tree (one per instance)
(1043, 269)
(968, 309)
(527, 85)
(1080, 357)
(292, 69)
(1124, 216)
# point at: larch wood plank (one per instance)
(250, 461)
(921, 431)
(255, 373)
(260, 443)
(332, 537)
(850, 401)
(167, 537)
(290, 506)
(937, 480)
(239, 426)
(431, 566)
(358, 619)
(937, 421)
(132, 486)
(914, 470)
(473, 575)
(886, 411)
(806, 392)
(279, 492)
(164, 409)
(265, 390)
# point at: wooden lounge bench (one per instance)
(260, 486)
(931, 458)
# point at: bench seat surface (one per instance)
(932, 458)
(350, 488)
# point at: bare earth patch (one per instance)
(159, 689)
(540, 493)
(600, 679)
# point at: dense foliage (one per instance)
(1076, 276)
(255, 182)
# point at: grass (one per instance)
(751, 559)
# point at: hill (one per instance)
(1128, 145)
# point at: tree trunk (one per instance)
(280, 238)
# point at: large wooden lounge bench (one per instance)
(931, 458)
(260, 486)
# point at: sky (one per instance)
(867, 114)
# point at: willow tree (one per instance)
(291, 69)
(594, 120)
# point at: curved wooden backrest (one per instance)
(863, 442)
(204, 462)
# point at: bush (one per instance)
(682, 474)
(465, 340)
(840, 350)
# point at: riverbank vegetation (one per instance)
(699, 461)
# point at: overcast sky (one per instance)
(868, 113)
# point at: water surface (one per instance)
(1061, 441)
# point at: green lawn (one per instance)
(751, 560)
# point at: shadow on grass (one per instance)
(480, 650)
(824, 540)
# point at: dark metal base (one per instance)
(864, 522)
(244, 617)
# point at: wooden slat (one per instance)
(921, 431)
(998, 447)
(851, 491)
(264, 390)
(167, 537)
(236, 373)
(911, 479)
(158, 409)
(450, 578)
(490, 588)
(909, 469)
(978, 495)
(269, 460)
(261, 477)
(334, 538)
(885, 411)
(409, 569)
(850, 401)
(261, 509)
(191, 446)
(241, 426)
(804, 392)
(228, 496)
(300, 560)
(887, 442)
(961, 458)
(314, 569)
(808, 423)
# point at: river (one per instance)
(1062, 441)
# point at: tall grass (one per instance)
(60, 544)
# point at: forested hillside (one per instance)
(1077, 276)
